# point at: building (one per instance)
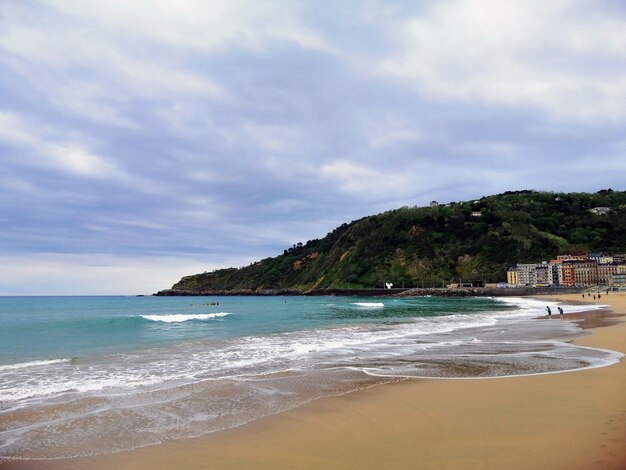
(600, 210)
(476, 214)
(619, 259)
(555, 274)
(595, 256)
(606, 272)
(618, 280)
(606, 259)
(542, 274)
(568, 273)
(527, 274)
(571, 257)
(586, 273)
(590, 269)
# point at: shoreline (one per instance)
(548, 421)
(379, 292)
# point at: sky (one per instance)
(141, 141)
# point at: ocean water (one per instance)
(88, 375)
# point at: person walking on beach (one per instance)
(560, 312)
(549, 312)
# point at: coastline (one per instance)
(378, 292)
(573, 420)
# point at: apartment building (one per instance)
(527, 274)
(568, 274)
(606, 272)
(542, 275)
(511, 277)
(586, 273)
(555, 274)
(571, 270)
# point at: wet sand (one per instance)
(574, 420)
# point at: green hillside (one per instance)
(429, 246)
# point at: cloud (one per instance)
(519, 53)
(351, 177)
(87, 69)
(201, 24)
(93, 274)
(388, 131)
(66, 156)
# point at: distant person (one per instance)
(583, 296)
(549, 311)
(561, 312)
(594, 297)
(599, 296)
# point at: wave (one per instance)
(22, 365)
(179, 317)
(537, 307)
(369, 304)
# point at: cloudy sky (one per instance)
(141, 141)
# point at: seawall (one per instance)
(415, 292)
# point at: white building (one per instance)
(600, 210)
(527, 274)
(555, 273)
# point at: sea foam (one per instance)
(22, 365)
(179, 317)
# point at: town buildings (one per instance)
(590, 269)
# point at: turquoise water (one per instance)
(43, 328)
(89, 375)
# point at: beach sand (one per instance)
(574, 420)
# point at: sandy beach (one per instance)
(573, 420)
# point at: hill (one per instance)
(431, 246)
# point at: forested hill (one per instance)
(429, 246)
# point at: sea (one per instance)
(82, 376)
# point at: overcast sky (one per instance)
(141, 141)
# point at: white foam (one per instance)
(369, 304)
(179, 317)
(611, 357)
(53, 382)
(534, 307)
(22, 365)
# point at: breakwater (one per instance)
(374, 292)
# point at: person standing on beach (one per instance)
(549, 311)
(561, 312)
